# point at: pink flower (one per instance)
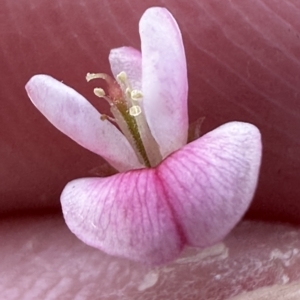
(168, 193)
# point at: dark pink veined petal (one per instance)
(124, 215)
(211, 181)
(72, 114)
(129, 60)
(164, 79)
(195, 196)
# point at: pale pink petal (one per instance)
(72, 114)
(129, 60)
(124, 215)
(164, 79)
(195, 196)
(211, 181)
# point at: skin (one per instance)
(243, 65)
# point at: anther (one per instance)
(135, 110)
(106, 117)
(122, 76)
(91, 76)
(99, 92)
(136, 95)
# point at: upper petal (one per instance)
(72, 114)
(125, 215)
(129, 60)
(211, 181)
(164, 79)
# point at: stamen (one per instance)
(136, 95)
(101, 94)
(123, 81)
(135, 110)
(124, 105)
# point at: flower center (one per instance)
(127, 108)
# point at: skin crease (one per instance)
(243, 65)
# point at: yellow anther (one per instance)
(135, 110)
(122, 76)
(99, 92)
(136, 95)
(103, 117)
(91, 76)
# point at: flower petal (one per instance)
(124, 215)
(72, 114)
(164, 79)
(211, 181)
(129, 60)
(195, 196)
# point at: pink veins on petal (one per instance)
(194, 197)
(169, 194)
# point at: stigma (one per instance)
(126, 106)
